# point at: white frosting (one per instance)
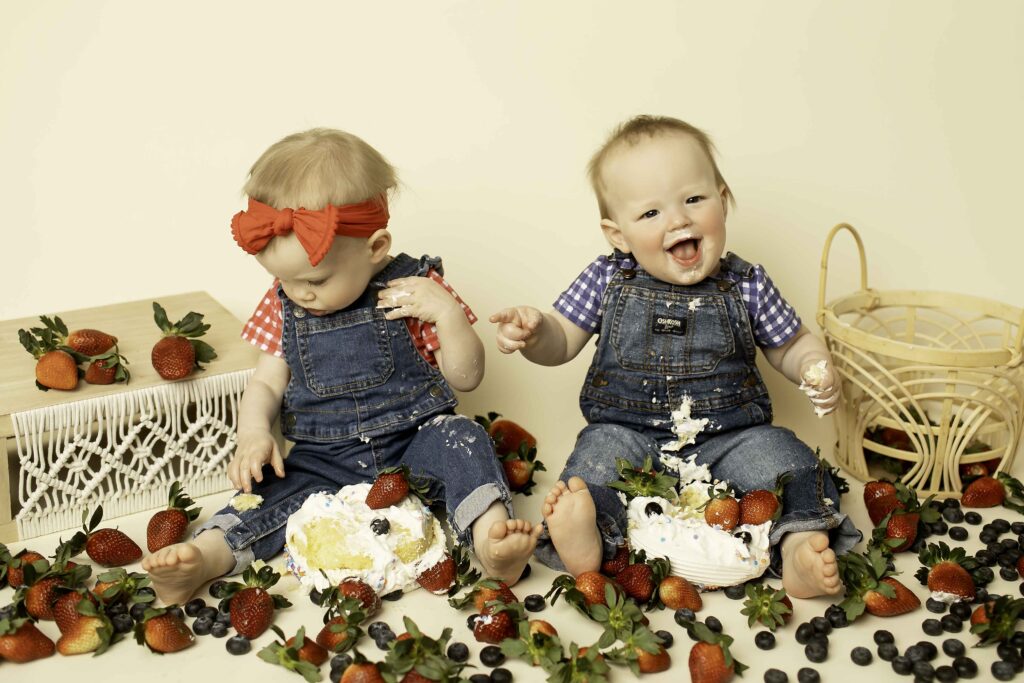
(331, 532)
(815, 374)
(702, 554)
(246, 501)
(685, 427)
(948, 598)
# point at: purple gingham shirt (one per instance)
(773, 320)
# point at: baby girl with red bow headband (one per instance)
(362, 351)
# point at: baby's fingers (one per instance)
(505, 315)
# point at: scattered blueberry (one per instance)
(953, 515)
(238, 645)
(939, 528)
(1001, 525)
(1017, 639)
(953, 647)
(208, 612)
(961, 610)
(479, 678)
(775, 676)
(1002, 670)
(653, 509)
(1007, 651)
(972, 517)
(458, 652)
(765, 640)
(1008, 574)
(178, 612)
(1010, 543)
(223, 618)
(380, 526)
(492, 656)
(501, 675)
(470, 621)
(958, 533)
(684, 614)
(923, 671)
(936, 606)
(985, 557)
(217, 588)
(883, 636)
(384, 638)
(343, 661)
(887, 651)
(393, 595)
(116, 608)
(193, 606)
(218, 629)
(983, 575)
(930, 651)
(666, 639)
(808, 675)
(736, 592)
(981, 595)
(1017, 528)
(836, 616)
(965, 667)
(816, 652)
(951, 623)
(914, 653)
(534, 603)
(902, 665)
(932, 627)
(988, 535)
(146, 590)
(137, 610)
(861, 656)
(202, 625)
(714, 624)
(804, 632)
(336, 674)
(376, 627)
(945, 674)
(122, 623)
(821, 625)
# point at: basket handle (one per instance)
(823, 277)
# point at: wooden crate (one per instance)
(117, 445)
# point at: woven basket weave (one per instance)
(931, 381)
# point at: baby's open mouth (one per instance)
(686, 251)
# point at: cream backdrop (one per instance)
(127, 128)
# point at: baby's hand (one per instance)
(819, 383)
(516, 326)
(417, 297)
(254, 450)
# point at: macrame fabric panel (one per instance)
(124, 451)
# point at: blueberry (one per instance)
(737, 592)
(883, 636)
(919, 543)
(1017, 528)
(983, 575)
(816, 652)
(861, 656)
(714, 624)
(821, 625)
(804, 632)
(965, 667)
(146, 591)
(116, 608)
(985, 557)
(1017, 639)
(951, 623)
(953, 515)
(1008, 574)
(384, 638)
(887, 651)
(939, 528)
(836, 616)
(470, 621)
(1002, 671)
(374, 629)
(208, 612)
(683, 615)
(932, 627)
(1008, 558)
(958, 533)
(666, 638)
(238, 645)
(972, 517)
(953, 647)
(501, 675)
(458, 652)
(492, 656)
(930, 651)
(775, 676)
(914, 653)
(808, 675)
(987, 536)
(902, 665)
(223, 618)
(653, 509)
(961, 610)
(335, 675)
(202, 625)
(122, 623)
(945, 674)
(936, 606)
(923, 671)
(819, 638)
(380, 526)
(765, 640)
(137, 610)
(193, 606)
(342, 662)
(1001, 525)
(178, 612)
(479, 678)
(1010, 543)
(1007, 651)
(393, 595)
(534, 603)
(217, 588)
(981, 595)
(744, 536)
(218, 629)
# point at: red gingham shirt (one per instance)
(263, 329)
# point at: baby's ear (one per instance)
(379, 244)
(613, 234)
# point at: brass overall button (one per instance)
(724, 285)
(289, 420)
(436, 391)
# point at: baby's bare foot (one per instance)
(572, 522)
(809, 567)
(176, 571)
(506, 548)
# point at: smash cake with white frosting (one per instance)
(339, 536)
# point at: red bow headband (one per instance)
(252, 229)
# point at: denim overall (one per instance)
(362, 398)
(659, 343)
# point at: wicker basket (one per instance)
(931, 382)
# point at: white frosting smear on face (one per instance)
(685, 427)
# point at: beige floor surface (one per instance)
(209, 661)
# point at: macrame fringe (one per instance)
(124, 451)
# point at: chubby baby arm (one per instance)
(260, 405)
(543, 338)
(460, 357)
(804, 360)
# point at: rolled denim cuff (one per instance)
(474, 505)
(843, 535)
(244, 556)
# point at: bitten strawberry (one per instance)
(21, 641)
(508, 436)
(91, 632)
(108, 547)
(761, 505)
(107, 369)
(161, 630)
(947, 570)
(772, 608)
(168, 527)
(180, 350)
(252, 607)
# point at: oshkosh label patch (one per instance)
(664, 324)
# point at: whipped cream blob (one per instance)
(685, 427)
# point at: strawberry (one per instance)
(947, 570)
(389, 488)
(118, 586)
(180, 350)
(877, 489)
(108, 547)
(440, 577)
(107, 369)
(16, 567)
(772, 608)
(40, 589)
(168, 527)
(617, 563)
(983, 492)
(418, 658)
(65, 607)
(881, 506)
(484, 591)
(497, 622)
(652, 662)
(162, 631)
(675, 592)
(584, 591)
(91, 632)
(898, 528)
(980, 615)
(902, 525)
(361, 670)
(90, 342)
(508, 437)
(1020, 566)
(56, 367)
(21, 641)
(639, 579)
(721, 510)
(519, 467)
(880, 604)
(57, 370)
(338, 634)
(308, 650)
(541, 626)
(40, 596)
(870, 586)
(252, 607)
(361, 591)
(710, 660)
(997, 620)
(762, 505)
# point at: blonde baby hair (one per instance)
(644, 126)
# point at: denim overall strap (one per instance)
(661, 343)
(355, 373)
